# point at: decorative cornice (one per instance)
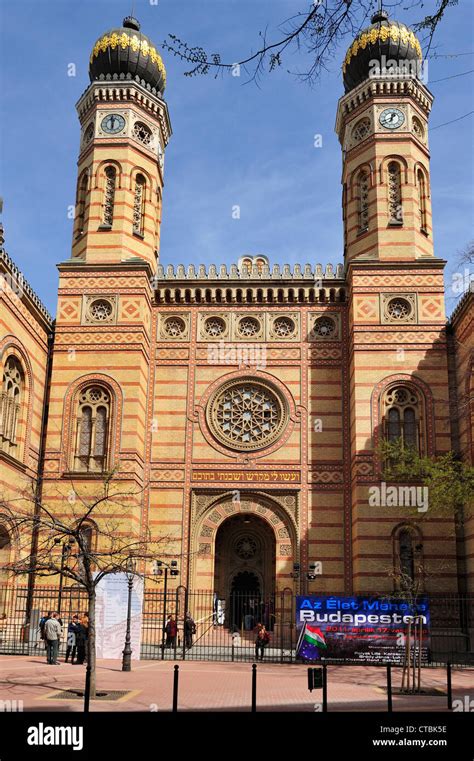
(383, 86)
(244, 274)
(116, 88)
(23, 288)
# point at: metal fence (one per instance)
(221, 630)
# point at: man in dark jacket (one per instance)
(72, 631)
(189, 630)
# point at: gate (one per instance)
(217, 629)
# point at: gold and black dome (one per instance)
(383, 40)
(126, 53)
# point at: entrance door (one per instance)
(245, 601)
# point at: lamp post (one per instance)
(127, 651)
(160, 571)
(65, 550)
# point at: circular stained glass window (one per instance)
(324, 327)
(247, 415)
(248, 327)
(246, 547)
(214, 326)
(174, 327)
(399, 309)
(283, 327)
(142, 133)
(100, 310)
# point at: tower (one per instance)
(125, 128)
(397, 349)
(102, 364)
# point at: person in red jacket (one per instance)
(171, 630)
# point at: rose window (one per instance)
(249, 327)
(399, 309)
(401, 397)
(418, 128)
(89, 133)
(246, 415)
(283, 327)
(100, 310)
(324, 327)
(214, 326)
(174, 327)
(246, 547)
(142, 133)
(361, 130)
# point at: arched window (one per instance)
(92, 431)
(81, 204)
(139, 205)
(395, 211)
(363, 200)
(406, 557)
(10, 402)
(422, 200)
(402, 417)
(109, 196)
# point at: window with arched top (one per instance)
(403, 417)
(394, 184)
(109, 196)
(10, 404)
(92, 430)
(139, 205)
(81, 204)
(363, 200)
(422, 200)
(406, 556)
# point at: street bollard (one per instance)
(175, 688)
(450, 693)
(389, 688)
(325, 688)
(254, 687)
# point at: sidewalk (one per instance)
(207, 686)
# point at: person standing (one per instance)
(52, 633)
(262, 640)
(41, 624)
(189, 630)
(171, 630)
(72, 631)
(81, 638)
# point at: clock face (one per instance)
(391, 118)
(113, 123)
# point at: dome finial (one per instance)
(130, 22)
(380, 14)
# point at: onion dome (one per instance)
(126, 53)
(385, 40)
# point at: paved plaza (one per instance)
(205, 686)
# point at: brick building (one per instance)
(247, 400)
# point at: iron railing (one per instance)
(224, 630)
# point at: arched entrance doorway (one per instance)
(244, 570)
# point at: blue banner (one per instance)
(365, 629)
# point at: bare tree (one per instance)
(114, 547)
(317, 32)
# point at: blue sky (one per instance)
(232, 143)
